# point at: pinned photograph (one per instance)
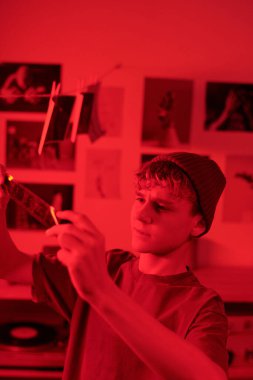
(60, 197)
(22, 141)
(26, 87)
(229, 107)
(238, 196)
(103, 174)
(70, 115)
(110, 108)
(167, 112)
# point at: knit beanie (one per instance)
(206, 177)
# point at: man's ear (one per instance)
(199, 226)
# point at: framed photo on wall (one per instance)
(110, 109)
(238, 197)
(27, 86)
(229, 107)
(103, 174)
(167, 112)
(22, 141)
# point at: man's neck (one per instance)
(167, 264)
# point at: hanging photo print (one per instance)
(69, 115)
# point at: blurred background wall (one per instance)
(200, 41)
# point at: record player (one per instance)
(33, 340)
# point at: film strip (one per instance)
(33, 204)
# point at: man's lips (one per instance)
(141, 232)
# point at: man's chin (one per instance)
(139, 248)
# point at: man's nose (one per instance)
(144, 214)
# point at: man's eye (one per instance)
(159, 207)
(140, 199)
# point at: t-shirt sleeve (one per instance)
(209, 332)
(115, 258)
(52, 285)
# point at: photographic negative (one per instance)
(167, 112)
(229, 107)
(26, 87)
(57, 195)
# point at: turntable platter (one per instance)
(26, 335)
(22, 332)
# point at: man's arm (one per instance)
(164, 352)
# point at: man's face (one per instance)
(160, 222)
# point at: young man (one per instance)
(140, 316)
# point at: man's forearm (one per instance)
(160, 349)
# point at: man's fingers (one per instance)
(80, 220)
(64, 256)
(69, 246)
(69, 241)
(69, 229)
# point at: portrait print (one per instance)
(238, 197)
(27, 87)
(229, 107)
(167, 112)
(22, 141)
(103, 174)
(110, 108)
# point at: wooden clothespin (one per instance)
(54, 92)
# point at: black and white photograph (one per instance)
(58, 196)
(110, 109)
(26, 87)
(167, 112)
(103, 174)
(238, 197)
(229, 107)
(22, 141)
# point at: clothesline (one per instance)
(25, 96)
(47, 95)
(79, 90)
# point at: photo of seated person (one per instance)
(21, 82)
(140, 315)
(236, 115)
